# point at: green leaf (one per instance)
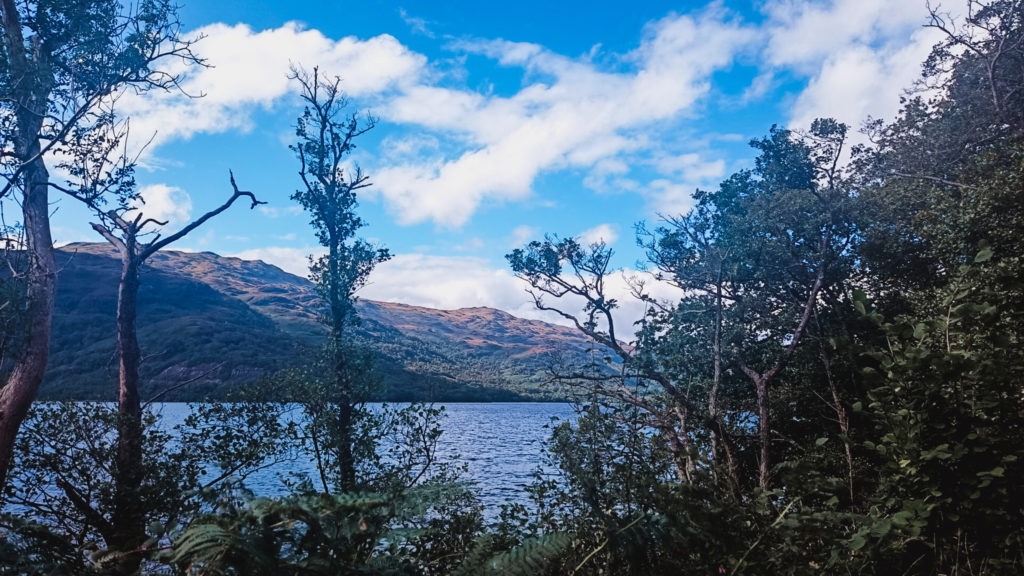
(820, 441)
(919, 330)
(984, 254)
(881, 528)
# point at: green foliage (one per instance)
(62, 471)
(947, 411)
(318, 533)
(63, 477)
(838, 391)
(302, 534)
(530, 557)
(894, 443)
(29, 548)
(325, 138)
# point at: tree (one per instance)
(758, 253)
(125, 227)
(60, 63)
(326, 137)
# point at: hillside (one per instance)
(227, 322)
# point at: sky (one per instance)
(499, 122)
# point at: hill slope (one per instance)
(227, 322)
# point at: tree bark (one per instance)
(127, 533)
(30, 362)
(34, 80)
(128, 518)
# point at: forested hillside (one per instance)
(222, 323)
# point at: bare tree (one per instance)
(129, 231)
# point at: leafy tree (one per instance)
(66, 474)
(326, 137)
(60, 64)
(947, 414)
(759, 253)
(338, 534)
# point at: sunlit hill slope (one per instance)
(227, 322)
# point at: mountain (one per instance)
(223, 322)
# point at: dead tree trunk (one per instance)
(128, 520)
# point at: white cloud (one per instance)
(859, 55)
(248, 70)
(601, 233)
(571, 114)
(167, 203)
(447, 283)
(461, 148)
(859, 82)
(451, 282)
(523, 234)
(416, 24)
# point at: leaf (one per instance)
(984, 254)
(881, 528)
(821, 441)
(919, 330)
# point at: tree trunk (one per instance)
(763, 429)
(128, 520)
(30, 362)
(33, 81)
(713, 415)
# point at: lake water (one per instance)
(500, 443)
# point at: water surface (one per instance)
(500, 443)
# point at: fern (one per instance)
(527, 559)
(482, 551)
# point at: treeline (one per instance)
(839, 391)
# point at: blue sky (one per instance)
(502, 121)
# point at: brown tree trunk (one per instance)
(128, 519)
(33, 81)
(345, 416)
(30, 362)
(342, 377)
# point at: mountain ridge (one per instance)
(226, 322)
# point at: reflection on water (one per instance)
(499, 442)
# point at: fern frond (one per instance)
(528, 558)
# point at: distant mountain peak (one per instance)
(247, 318)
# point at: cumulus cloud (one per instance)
(601, 233)
(167, 203)
(461, 148)
(446, 282)
(248, 70)
(523, 234)
(859, 55)
(571, 115)
(451, 282)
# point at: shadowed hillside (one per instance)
(226, 322)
